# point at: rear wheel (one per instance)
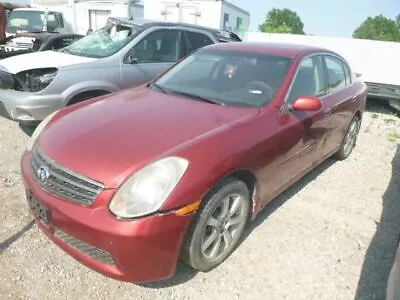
(350, 139)
(395, 104)
(218, 226)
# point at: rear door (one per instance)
(338, 101)
(152, 55)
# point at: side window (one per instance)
(309, 80)
(197, 40)
(52, 25)
(336, 76)
(158, 46)
(348, 74)
(54, 22)
(60, 19)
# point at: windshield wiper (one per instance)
(197, 97)
(158, 87)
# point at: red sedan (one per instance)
(130, 183)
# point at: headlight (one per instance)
(35, 80)
(146, 190)
(38, 130)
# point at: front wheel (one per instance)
(349, 140)
(218, 226)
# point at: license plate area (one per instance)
(38, 208)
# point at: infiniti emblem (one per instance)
(43, 173)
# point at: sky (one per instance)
(337, 18)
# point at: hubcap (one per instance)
(351, 137)
(223, 227)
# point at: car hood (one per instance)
(108, 139)
(38, 60)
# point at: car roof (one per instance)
(222, 35)
(282, 49)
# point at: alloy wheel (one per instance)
(223, 227)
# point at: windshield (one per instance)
(104, 42)
(227, 77)
(25, 21)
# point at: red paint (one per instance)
(111, 137)
(143, 249)
(307, 104)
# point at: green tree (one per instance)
(398, 21)
(282, 21)
(378, 28)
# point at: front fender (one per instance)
(87, 86)
(213, 157)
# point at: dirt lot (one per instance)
(331, 236)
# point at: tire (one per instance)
(349, 140)
(395, 104)
(86, 96)
(213, 224)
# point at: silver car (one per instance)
(122, 54)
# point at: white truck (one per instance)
(377, 62)
(65, 16)
(210, 13)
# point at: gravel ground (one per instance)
(331, 236)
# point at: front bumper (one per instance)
(27, 107)
(141, 250)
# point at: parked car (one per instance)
(393, 287)
(123, 54)
(42, 41)
(131, 182)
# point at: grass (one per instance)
(389, 121)
(394, 136)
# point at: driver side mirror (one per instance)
(306, 104)
(132, 59)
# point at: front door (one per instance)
(152, 55)
(300, 133)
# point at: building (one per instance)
(85, 14)
(211, 13)
(95, 13)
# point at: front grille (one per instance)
(89, 250)
(63, 182)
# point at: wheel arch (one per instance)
(358, 114)
(245, 175)
(85, 95)
(81, 88)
